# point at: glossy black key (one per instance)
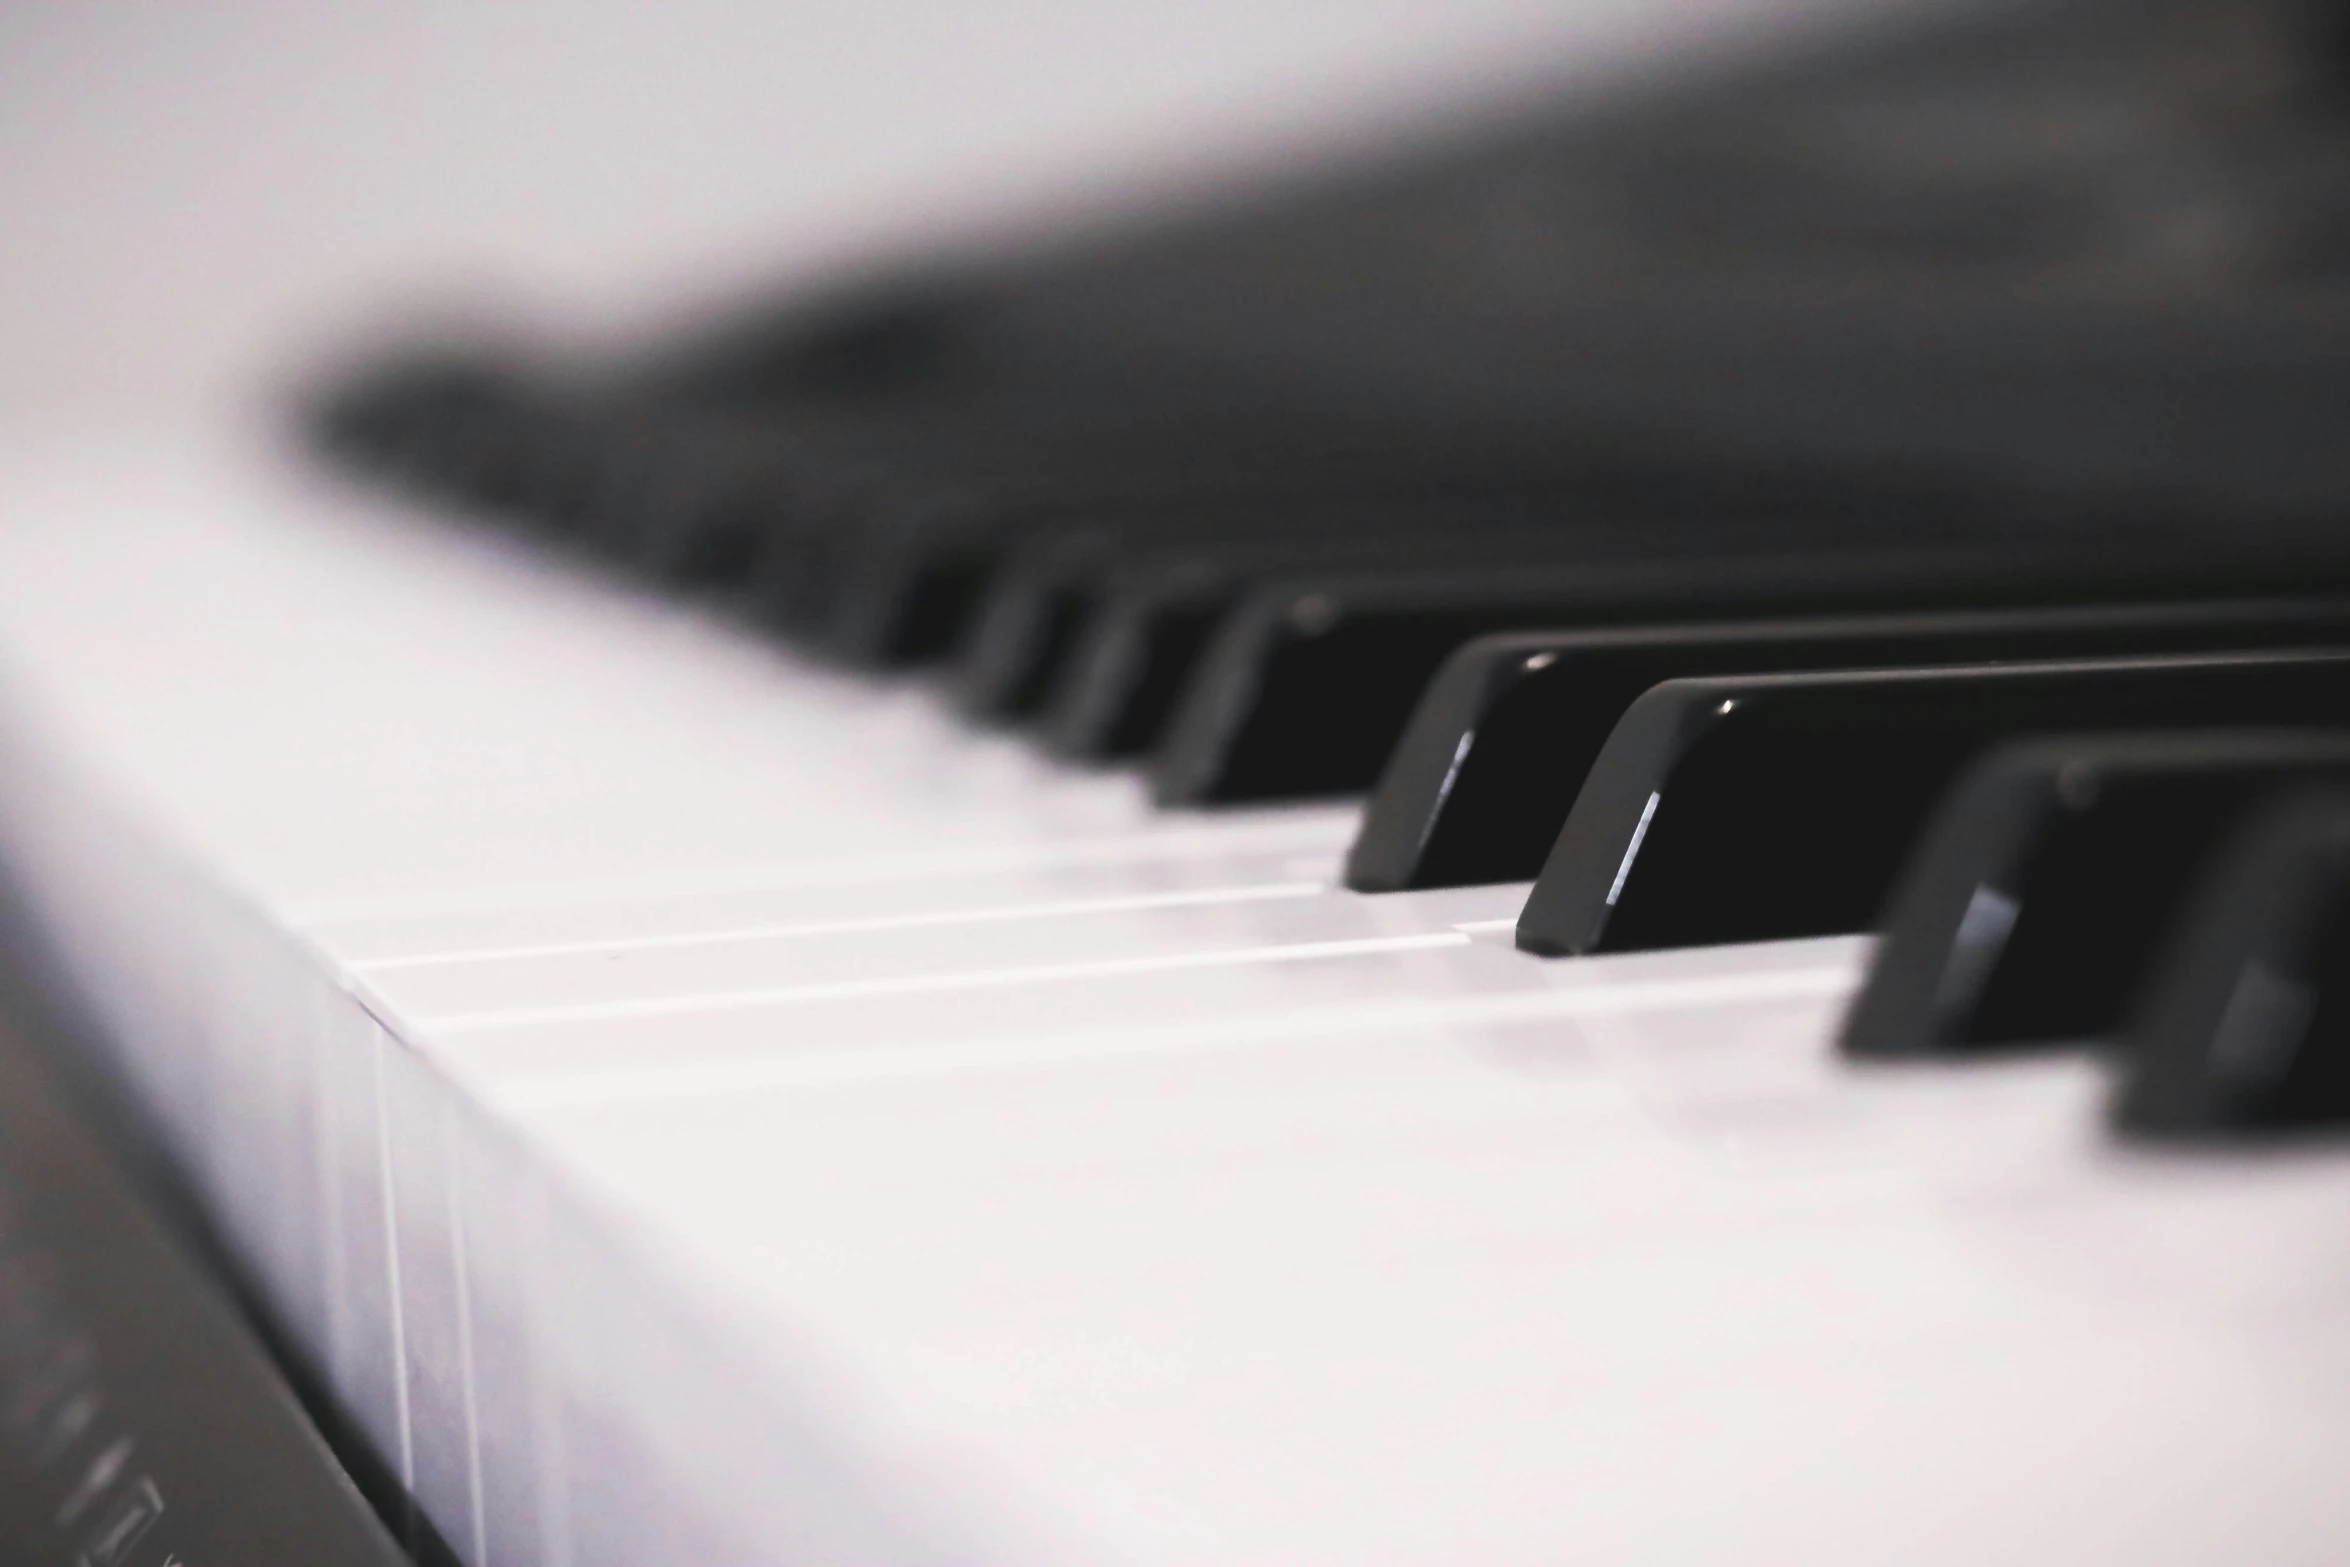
(1308, 684)
(2246, 1030)
(2030, 911)
(1058, 579)
(1051, 584)
(1155, 618)
(1486, 770)
(1858, 312)
(1761, 807)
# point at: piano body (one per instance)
(682, 1091)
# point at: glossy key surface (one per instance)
(1485, 773)
(1155, 616)
(1748, 808)
(2034, 904)
(2246, 1031)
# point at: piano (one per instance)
(1623, 842)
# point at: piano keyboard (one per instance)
(689, 1103)
(715, 1013)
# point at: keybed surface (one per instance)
(691, 1105)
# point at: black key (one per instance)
(2246, 1029)
(2031, 909)
(1134, 657)
(1770, 260)
(1486, 770)
(1147, 621)
(869, 524)
(481, 435)
(1308, 684)
(1154, 618)
(911, 557)
(1058, 579)
(1051, 583)
(688, 505)
(1763, 807)
(884, 532)
(652, 488)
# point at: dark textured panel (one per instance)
(141, 1425)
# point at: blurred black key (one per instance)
(1783, 260)
(1307, 685)
(1050, 583)
(2031, 909)
(867, 524)
(1024, 631)
(1134, 654)
(453, 427)
(687, 505)
(1148, 619)
(1145, 622)
(888, 539)
(1762, 807)
(680, 497)
(1483, 777)
(904, 559)
(1056, 579)
(2246, 1028)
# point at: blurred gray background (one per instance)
(198, 196)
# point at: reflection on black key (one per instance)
(2032, 907)
(1057, 583)
(1481, 781)
(1759, 807)
(2246, 1028)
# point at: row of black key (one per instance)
(1247, 603)
(1250, 603)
